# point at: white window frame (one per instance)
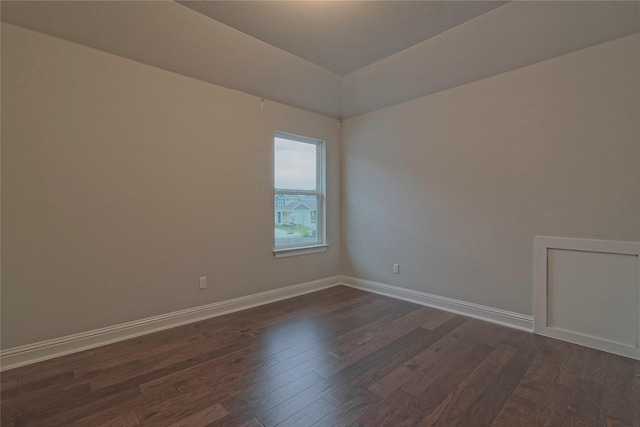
(319, 192)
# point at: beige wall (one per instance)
(122, 184)
(455, 185)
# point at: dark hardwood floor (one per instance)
(338, 357)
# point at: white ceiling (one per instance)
(342, 36)
(417, 48)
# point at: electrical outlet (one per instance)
(203, 282)
(396, 268)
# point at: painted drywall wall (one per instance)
(167, 35)
(512, 36)
(122, 184)
(454, 186)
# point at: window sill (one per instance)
(306, 250)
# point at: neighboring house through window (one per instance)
(299, 193)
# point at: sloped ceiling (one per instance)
(342, 36)
(355, 57)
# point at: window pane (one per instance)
(296, 220)
(295, 165)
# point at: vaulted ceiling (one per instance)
(338, 58)
(342, 36)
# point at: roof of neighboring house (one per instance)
(299, 205)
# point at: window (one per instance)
(299, 196)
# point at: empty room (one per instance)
(320, 213)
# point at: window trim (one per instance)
(320, 191)
(300, 250)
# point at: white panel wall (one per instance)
(595, 294)
(588, 291)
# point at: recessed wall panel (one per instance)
(588, 292)
(594, 294)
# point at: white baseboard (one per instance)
(597, 343)
(477, 311)
(44, 350)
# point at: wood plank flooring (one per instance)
(338, 357)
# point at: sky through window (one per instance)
(295, 165)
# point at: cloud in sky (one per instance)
(295, 165)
